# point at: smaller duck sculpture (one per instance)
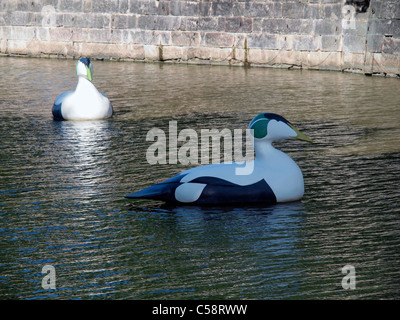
(274, 176)
(86, 102)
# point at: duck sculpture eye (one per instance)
(274, 177)
(85, 102)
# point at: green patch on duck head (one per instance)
(260, 123)
(260, 128)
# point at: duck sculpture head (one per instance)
(273, 176)
(269, 127)
(273, 127)
(86, 102)
(84, 68)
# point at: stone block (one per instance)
(42, 34)
(138, 6)
(387, 64)
(394, 28)
(60, 34)
(72, 5)
(151, 22)
(333, 11)
(103, 6)
(189, 24)
(47, 48)
(238, 24)
(123, 6)
(240, 40)
(300, 26)
(385, 27)
(136, 52)
(182, 38)
(135, 36)
(174, 53)
(288, 26)
(353, 62)
(5, 32)
(374, 42)
(146, 7)
(3, 45)
(205, 8)
(80, 35)
(312, 11)
(101, 21)
(116, 36)
(257, 24)
(151, 52)
(100, 50)
(257, 10)
(262, 56)
(327, 27)
(81, 20)
(359, 27)
(16, 46)
(275, 26)
(222, 8)
(391, 46)
(65, 20)
(3, 19)
(148, 37)
(208, 24)
(19, 18)
(219, 39)
(240, 55)
(262, 40)
(354, 43)
(293, 10)
(159, 7)
(238, 9)
(330, 43)
(388, 9)
(87, 5)
(288, 58)
(321, 60)
(209, 54)
(123, 21)
(99, 35)
(303, 42)
(277, 10)
(119, 21)
(185, 8)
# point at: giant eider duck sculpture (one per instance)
(273, 176)
(86, 102)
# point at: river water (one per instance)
(62, 187)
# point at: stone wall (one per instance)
(345, 35)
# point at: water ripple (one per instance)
(62, 187)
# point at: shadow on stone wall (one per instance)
(361, 6)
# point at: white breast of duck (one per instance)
(86, 102)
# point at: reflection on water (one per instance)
(85, 145)
(62, 187)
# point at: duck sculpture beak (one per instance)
(300, 135)
(89, 73)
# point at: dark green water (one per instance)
(62, 187)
